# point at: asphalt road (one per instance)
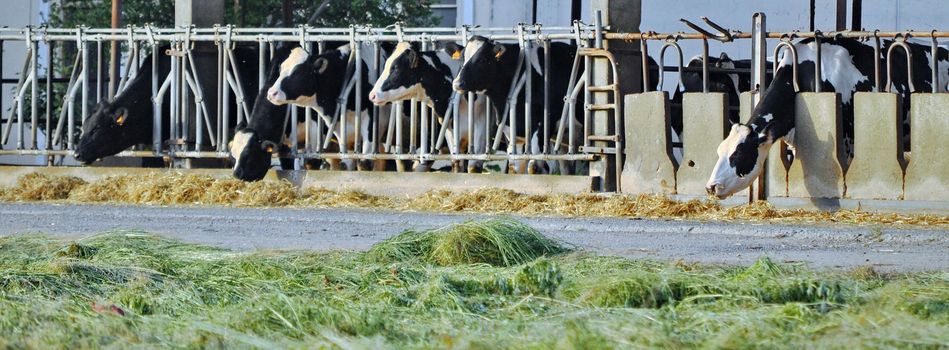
(826, 246)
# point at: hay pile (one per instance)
(174, 188)
(497, 242)
(41, 187)
(171, 188)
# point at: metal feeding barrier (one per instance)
(611, 131)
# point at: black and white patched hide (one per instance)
(847, 68)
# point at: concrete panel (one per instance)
(704, 126)
(816, 170)
(927, 176)
(875, 172)
(649, 165)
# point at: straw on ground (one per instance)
(187, 189)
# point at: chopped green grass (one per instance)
(124, 289)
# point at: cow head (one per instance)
(253, 146)
(296, 82)
(482, 58)
(251, 153)
(741, 159)
(111, 129)
(400, 79)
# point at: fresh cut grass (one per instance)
(477, 284)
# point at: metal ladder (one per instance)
(614, 147)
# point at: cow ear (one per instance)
(120, 115)
(320, 65)
(268, 146)
(454, 50)
(498, 51)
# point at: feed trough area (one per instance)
(474, 174)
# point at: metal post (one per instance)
(49, 94)
(114, 53)
(34, 87)
(100, 75)
(759, 56)
(84, 51)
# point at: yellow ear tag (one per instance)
(456, 55)
(120, 120)
(269, 149)
(498, 54)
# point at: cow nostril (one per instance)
(710, 189)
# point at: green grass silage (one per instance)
(131, 289)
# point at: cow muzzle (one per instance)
(275, 96)
(377, 97)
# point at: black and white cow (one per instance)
(488, 68)
(127, 120)
(426, 76)
(316, 81)
(729, 83)
(263, 134)
(847, 67)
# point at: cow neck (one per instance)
(775, 113)
(267, 119)
(506, 74)
(437, 85)
(329, 89)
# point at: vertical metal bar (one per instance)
(424, 137)
(357, 139)
(376, 117)
(261, 66)
(528, 94)
(85, 79)
(818, 77)
(704, 65)
(224, 122)
(307, 114)
(935, 65)
(175, 95)
(759, 55)
(294, 138)
(841, 15)
(644, 50)
(156, 103)
(857, 16)
(219, 116)
(100, 75)
(546, 140)
(413, 125)
(34, 91)
(488, 113)
(49, 94)
(588, 97)
(398, 126)
(876, 63)
(185, 121)
(470, 97)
